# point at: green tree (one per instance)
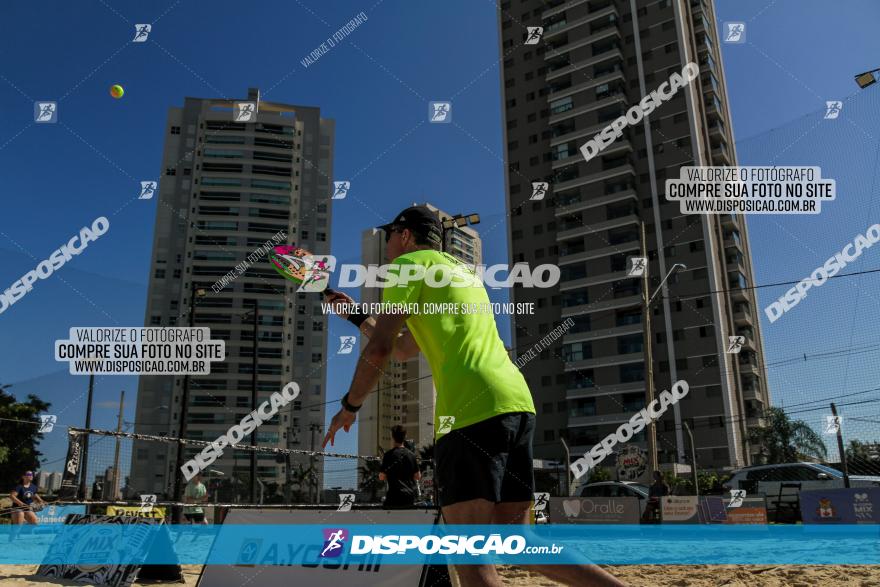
(369, 473)
(782, 440)
(19, 434)
(859, 451)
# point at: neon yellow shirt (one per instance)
(473, 374)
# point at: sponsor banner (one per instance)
(69, 489)
(154, 513)
(690, 509)
(56, 514)
(856, 505)
(104, 550)
(594, 510)
(752, 511)
(298, 562)
(367, 549)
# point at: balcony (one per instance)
(554, 30)
(600, 420)
(586, 255)
(579, 41)
(584, 203)
(590, 83)
(755, 422)
(743, 317)
(583, 392)
(749, 369)
(729, 221)
(605, 361)
(626, 169)
(596, 227)
(597, 334)
(603, 306)
(577, 65)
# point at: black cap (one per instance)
(420, 220)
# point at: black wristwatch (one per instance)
(347, 406)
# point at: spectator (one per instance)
(195, 492)
(401, 471)
(23, 496)
(658, 489)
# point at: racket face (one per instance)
(289, 262)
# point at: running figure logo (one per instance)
(736, 498)
(440, 112)
(832, 424)
(333, 542)
(446, 423)
(637, 266)
(539, 190)
(534, 33)
(45, 112)
(340, 189)
(148, 190)
(541, 501)
(735, 32)
(141, 32)
(346, 500)
(244, 111)
(735, 344)
(147, 502)
(47, 423)
(346, 345)
(832, 109)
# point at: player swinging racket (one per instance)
(484, 461)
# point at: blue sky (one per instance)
(376, 85)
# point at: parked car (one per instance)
(766, 479)
(618, 489)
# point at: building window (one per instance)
(175, 130)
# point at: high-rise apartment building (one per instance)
(594, 61)
(406, 392)
(227, 188)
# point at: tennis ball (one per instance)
(117, 91)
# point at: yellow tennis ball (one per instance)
(116, 91)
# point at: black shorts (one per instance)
(195, 518)
(491, 460)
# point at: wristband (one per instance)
(347, 406)
(357, 318)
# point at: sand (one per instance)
(637, 576)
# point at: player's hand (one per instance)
(343, 419)
(338, 302)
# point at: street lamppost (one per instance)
(649, 355)
(255, 314)
(194, 293)
(457, 221)
(867, 78)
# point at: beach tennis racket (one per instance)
(301, 267)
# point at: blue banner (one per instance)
(856, 505)
(326, 545)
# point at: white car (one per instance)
(766, 479)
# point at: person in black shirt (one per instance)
(401, 471)
(658, 489)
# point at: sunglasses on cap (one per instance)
(28, 475)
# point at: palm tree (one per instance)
(782, 440)
(301, 476)
(369, 473)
